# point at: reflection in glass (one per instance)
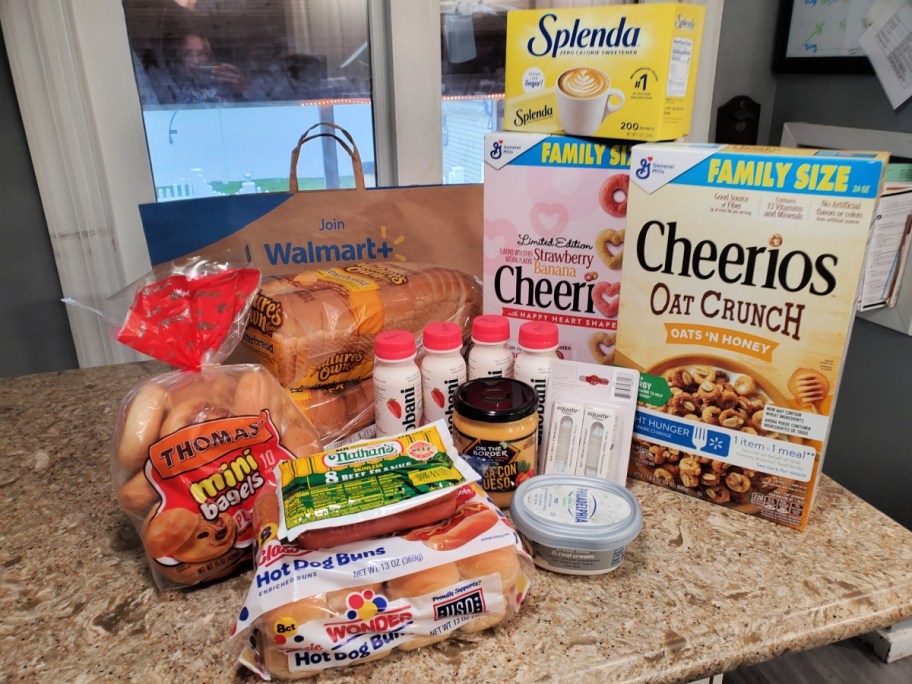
(228, 86)
(473, 46)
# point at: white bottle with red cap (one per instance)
(442, 370)
(397, 383)
(489, 356)
(538, 350)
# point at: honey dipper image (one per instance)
(809, 387)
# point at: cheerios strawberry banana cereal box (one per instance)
(555, 211)
(739, 297)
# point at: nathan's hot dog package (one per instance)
(308, 611)
(194, 447)
(371, 487)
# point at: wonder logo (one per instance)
(368, 613)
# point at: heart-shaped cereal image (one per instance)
(609, 245)
(499, 234)
(606, 297)
(602, 346)
(549, 220)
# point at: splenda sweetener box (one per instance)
(739, 297)
(620, 71)
(554, 217)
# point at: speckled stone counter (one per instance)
(703, 590)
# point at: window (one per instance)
(227, 86)
(71, 64)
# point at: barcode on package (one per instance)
(624, 384)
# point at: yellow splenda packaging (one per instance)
(625, 71)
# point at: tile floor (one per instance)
(845, 662)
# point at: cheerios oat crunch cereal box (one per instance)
(739, 297)
(555, 210)
(616, 71)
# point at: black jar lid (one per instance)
(495, 400)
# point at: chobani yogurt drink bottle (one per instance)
(538, 350)
(397, 383)
(442, 370)
(489, 356)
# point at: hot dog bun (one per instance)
(423, 582)
(284, 622)
(503, 562)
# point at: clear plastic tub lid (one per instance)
(570, 511)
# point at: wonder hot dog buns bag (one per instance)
(308, 611)
(315, 330)
(194, 447)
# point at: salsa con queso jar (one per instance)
(495, 427)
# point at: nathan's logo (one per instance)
(265, 314)
(472, 603)
(343, 457)
(368, 613)
(337, 364)
(553, 39)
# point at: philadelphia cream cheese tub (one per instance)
(575, 525)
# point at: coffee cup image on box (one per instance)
(585, 99)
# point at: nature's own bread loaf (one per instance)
(316, 329)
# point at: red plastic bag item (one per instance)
(183, 320)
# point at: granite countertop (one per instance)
(703, 589)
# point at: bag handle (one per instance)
(348, 144)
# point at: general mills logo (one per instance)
(497, 149)
(645, 169)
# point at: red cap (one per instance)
(491, 329)
(442, 336)
(394, 345)
(538, 335)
